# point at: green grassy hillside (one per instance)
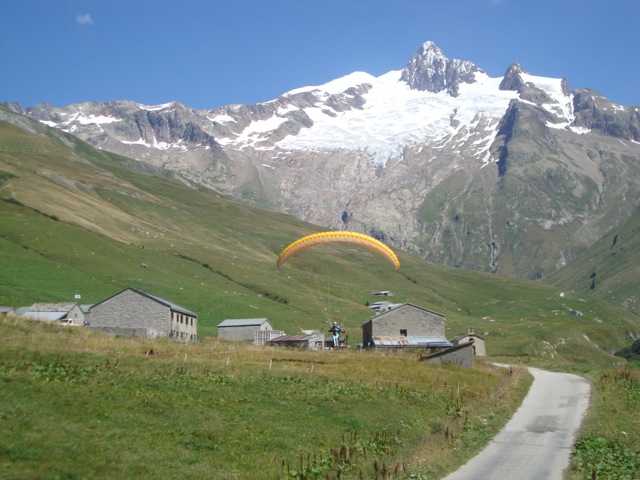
(77, 404)
(75, 219)
(610, 269)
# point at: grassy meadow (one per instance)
(78, 220)
(78, 404)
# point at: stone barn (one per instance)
(460, 355)
(305, 341)
(242, 329)
(406, 325)
(65, 313)
(479, 344)
(135, 313)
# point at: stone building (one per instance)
(133, 312)
(406, 325)
(66, 313)
(306, 341)
(461, 355)
(242, 329)
(479, 344)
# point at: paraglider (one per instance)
(335, 334)
(353, 238)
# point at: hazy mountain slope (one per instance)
(610, 269)
(514, 174)
(78, 220)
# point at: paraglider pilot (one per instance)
(335, 331)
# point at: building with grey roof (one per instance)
(405, 326)
(242, 329)
(479, 344)
(5, 310)
(307, 341)
(134, 312)
(66, 313)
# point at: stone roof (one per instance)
(173, 306)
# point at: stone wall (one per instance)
(184, 327)
(122, 332)
(130, 310)
(367, 337)
(461, 356)
(416, 321)
(76, 316)
(479, 346)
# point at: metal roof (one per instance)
(410, 341)
(243, 322)
(402, 305)
(6, 309)
(52, 307)
(297, 338)
(44, 316)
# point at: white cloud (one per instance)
(84, 19)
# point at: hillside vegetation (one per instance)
(610, 269)
(609, 444)
(78, 220)
(76, 404)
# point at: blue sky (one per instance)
(209, 53)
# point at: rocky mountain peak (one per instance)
(512, 79)
(14, 107)
(430, 69)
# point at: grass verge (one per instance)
(609, 445)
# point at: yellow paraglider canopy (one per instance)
(353, 238)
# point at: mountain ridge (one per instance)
(433, 158)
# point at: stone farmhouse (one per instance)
(405, 326)
(242, 329)
(479, 344)
(133, 312)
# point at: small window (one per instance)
(403, 332)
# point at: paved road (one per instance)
(536, 443)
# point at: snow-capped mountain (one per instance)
(513, 173)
